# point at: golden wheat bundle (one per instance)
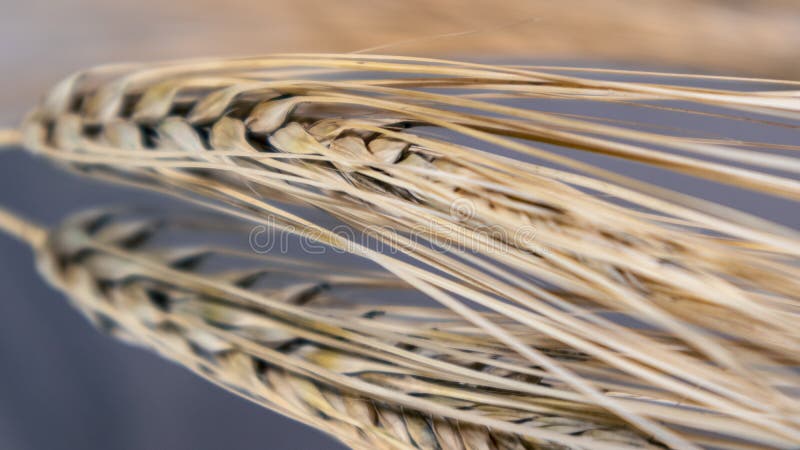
(469, 184)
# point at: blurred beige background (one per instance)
(41, 41)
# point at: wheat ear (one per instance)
(711, 291)
(374, 376)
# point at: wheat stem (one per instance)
(10, 137)
(23, 229)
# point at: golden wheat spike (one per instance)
(445, 165)
(374, 376)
